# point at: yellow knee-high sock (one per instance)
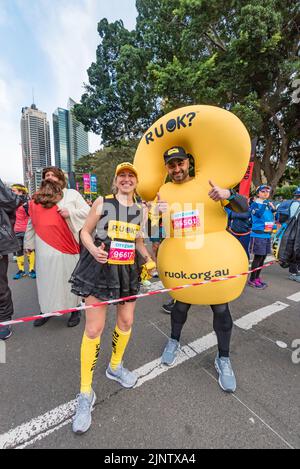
(89, 353)
(20, 262)
(31, 260)
(119, 343)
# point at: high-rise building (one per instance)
(61, 139)
(36, 152)
(70, 138)
(79, 140)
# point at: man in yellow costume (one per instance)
(177, 164)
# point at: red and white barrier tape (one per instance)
(132, 297)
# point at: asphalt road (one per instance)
(179, 408)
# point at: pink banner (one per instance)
(86, 184)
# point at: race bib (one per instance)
(185, 222)
(268, 226)
(121, 253)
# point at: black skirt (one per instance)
(104, 281)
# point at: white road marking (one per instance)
(281, 344)
(42, 426)
(265, 423)
(41, 436)
(254, 413)
(38, 425)
(294, 297)
(155, 368)
(249, 320)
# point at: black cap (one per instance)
(173, 153)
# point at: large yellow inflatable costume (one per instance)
(198, 247)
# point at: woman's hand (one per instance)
(272, 206)
(99, 253)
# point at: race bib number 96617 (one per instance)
(121, 253)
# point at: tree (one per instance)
(242, 55)
(117, 102)
(103, 163)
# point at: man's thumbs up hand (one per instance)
(216, 193)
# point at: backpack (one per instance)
(241, 225)
(283, 211)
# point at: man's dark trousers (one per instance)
(6, 305)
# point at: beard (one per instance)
(180, 176)
(49, 193)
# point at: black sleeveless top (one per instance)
(118, 228)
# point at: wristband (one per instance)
(232, 194)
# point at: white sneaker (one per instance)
(83, 417)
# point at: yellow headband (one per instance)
(20, 188)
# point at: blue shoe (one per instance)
(227, 379)
(19, 275)
(83, 417)
(123, 376)
(295, 277)
(32, 274)
(170, 353)
(5, 332)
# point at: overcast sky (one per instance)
(46, 45)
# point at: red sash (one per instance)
(52, 228)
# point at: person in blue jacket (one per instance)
(262, 212)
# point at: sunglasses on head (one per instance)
(264, 190)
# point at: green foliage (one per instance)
(238, 54)
(291, 176)
(285, 192)
(103, 163)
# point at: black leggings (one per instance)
(6, 304)
(20, 237)
(222, 324)
(258, 261)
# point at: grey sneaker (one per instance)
(295, 277)
(226, 375)
(83, 418)
(125, 377)
(170, 353)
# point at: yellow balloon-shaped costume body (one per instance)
(198, 247)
